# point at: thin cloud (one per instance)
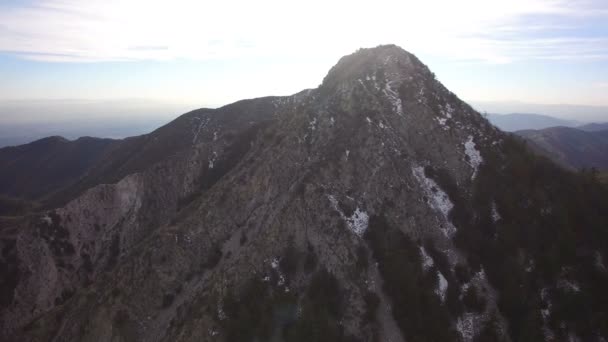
(113, 30)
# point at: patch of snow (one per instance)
(442, 123)
(427, 260)
(46, 219)
(421, 95)
(439, 200)
(215, 136)
(474, 156)
(332, 121)
(465, 325)
(569, 285)
(357, 222)
(275, 266)
(347, 152)
(381, 125)
(442, 287)
(448, 111)
(312, 124)
(546, 211)
(495, 215)
(221, 315)
(394, 98)
(369, 121)
(212, 160)
(198, 127)
(545, 313)
(530, 266)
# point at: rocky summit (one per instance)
(376, 207)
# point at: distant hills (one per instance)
(520, 121)
(567, 142)
(594, 127)
(376, 207)
(32, 171)
(573, 148)
(23, 121)
(583, 113)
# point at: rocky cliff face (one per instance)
(371, 208)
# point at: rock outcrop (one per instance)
(359, 210)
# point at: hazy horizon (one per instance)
(23, 121)
(190, 53)
(114, 68)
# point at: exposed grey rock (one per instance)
(153, 256)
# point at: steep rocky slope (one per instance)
(376, 207)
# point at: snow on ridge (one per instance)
(442, 286)
(394, 98)
(495, 214)
(221, 314)
(428, 263)
(448, 111)
(447, 114)
(465, 325)
(196, 130)
(313, 124)
(212, 160)
(442, 123)
(545, 313)
(357, 222)
(439, 200)
(568, 285)
(275, 266)
(469, 323)
(427, 260)
(475, 158)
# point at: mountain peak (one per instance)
(321, 206)
(389, 61)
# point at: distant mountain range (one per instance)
(573, 148)
(569, 143)
(520, 121)
(567, 111)
(38, 169)
(593, 127)
(22, 122)
(376, 207)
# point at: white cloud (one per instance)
(110, 30)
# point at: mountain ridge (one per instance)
(379, 180)
(571, 147)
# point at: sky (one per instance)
(197, 53)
